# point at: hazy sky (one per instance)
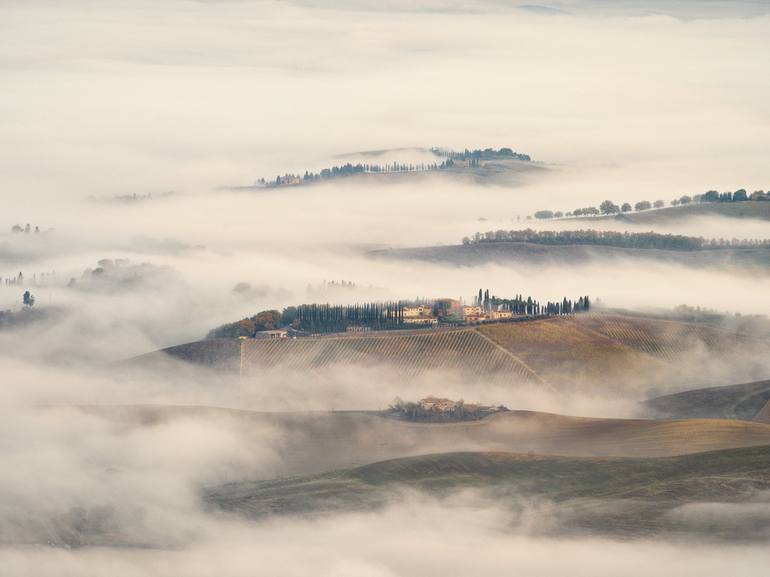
(622, 100)
(109, 98)
(121, 97)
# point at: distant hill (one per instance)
(749, 209)
(620, 497)
(481, 166)
(589, 350)
(745, 401)
(572, 255)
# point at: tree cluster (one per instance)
(348, 169)
(443, 410)
(608, 207)
(26, 229)
(482, 154)
(520, 305)
(651, 240)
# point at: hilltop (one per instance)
(584, 350)
(480, 166)
(619, 497)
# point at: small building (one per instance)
(420, 321)
(469, 311)
(418, 311)
(501, 314)
(274, 334)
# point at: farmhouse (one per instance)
(418, 315)
(276, 334)
(418, 311)
(420, 320)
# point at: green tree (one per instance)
(609, 207)
(643, 205)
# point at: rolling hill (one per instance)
(627, 350)
(620, 497)
(572, 255)
(316, 442)
(750, 209)
(746, 401)
(587, 350)
(463, 350)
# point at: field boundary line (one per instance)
(515, 357)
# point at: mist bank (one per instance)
(510, 85)
(382, 543)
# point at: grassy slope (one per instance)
(219, 354)
(407, 352)
(607, 348)
(613, 495)
(743, 401)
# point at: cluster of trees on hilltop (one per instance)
(318, 318)
(608, 207)
(527, 306)
(248, 327)
(348, 169)
(612, 238)
(474, 157)
(739, 195)
(337, 318)
(482, 154)
(434, 410)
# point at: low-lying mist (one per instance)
(415, 537)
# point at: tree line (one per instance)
(608, 207)
(388, 315)
(482, 154)
(520, 305)
(348, 169)
(651, 240)
(37, 280)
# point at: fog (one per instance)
(185, 104)
(410, 539)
